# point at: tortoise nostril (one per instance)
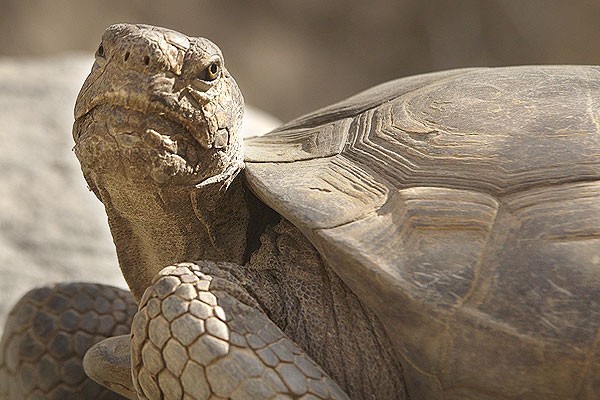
(147, 60)
(126, 56)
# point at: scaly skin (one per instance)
(47, 334)
(207, 333)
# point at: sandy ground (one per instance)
(51, 227)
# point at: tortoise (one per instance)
(434, 237)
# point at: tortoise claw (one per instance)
(109, 363)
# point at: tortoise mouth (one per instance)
(111, 138)
(166, 105)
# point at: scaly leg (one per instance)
(47, 334)
(198, 335)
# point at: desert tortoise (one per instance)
(434, 237)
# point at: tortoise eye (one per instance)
(100, 51)
(212, 72)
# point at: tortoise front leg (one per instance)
(200, 336)
(47, 334)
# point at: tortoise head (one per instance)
(158, 107)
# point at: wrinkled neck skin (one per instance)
(156, 227)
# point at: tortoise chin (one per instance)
(124, 144)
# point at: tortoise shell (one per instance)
(463, 208)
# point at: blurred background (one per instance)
(291, 57)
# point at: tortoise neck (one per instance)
(153, 228)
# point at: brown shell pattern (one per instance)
(462, 207)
